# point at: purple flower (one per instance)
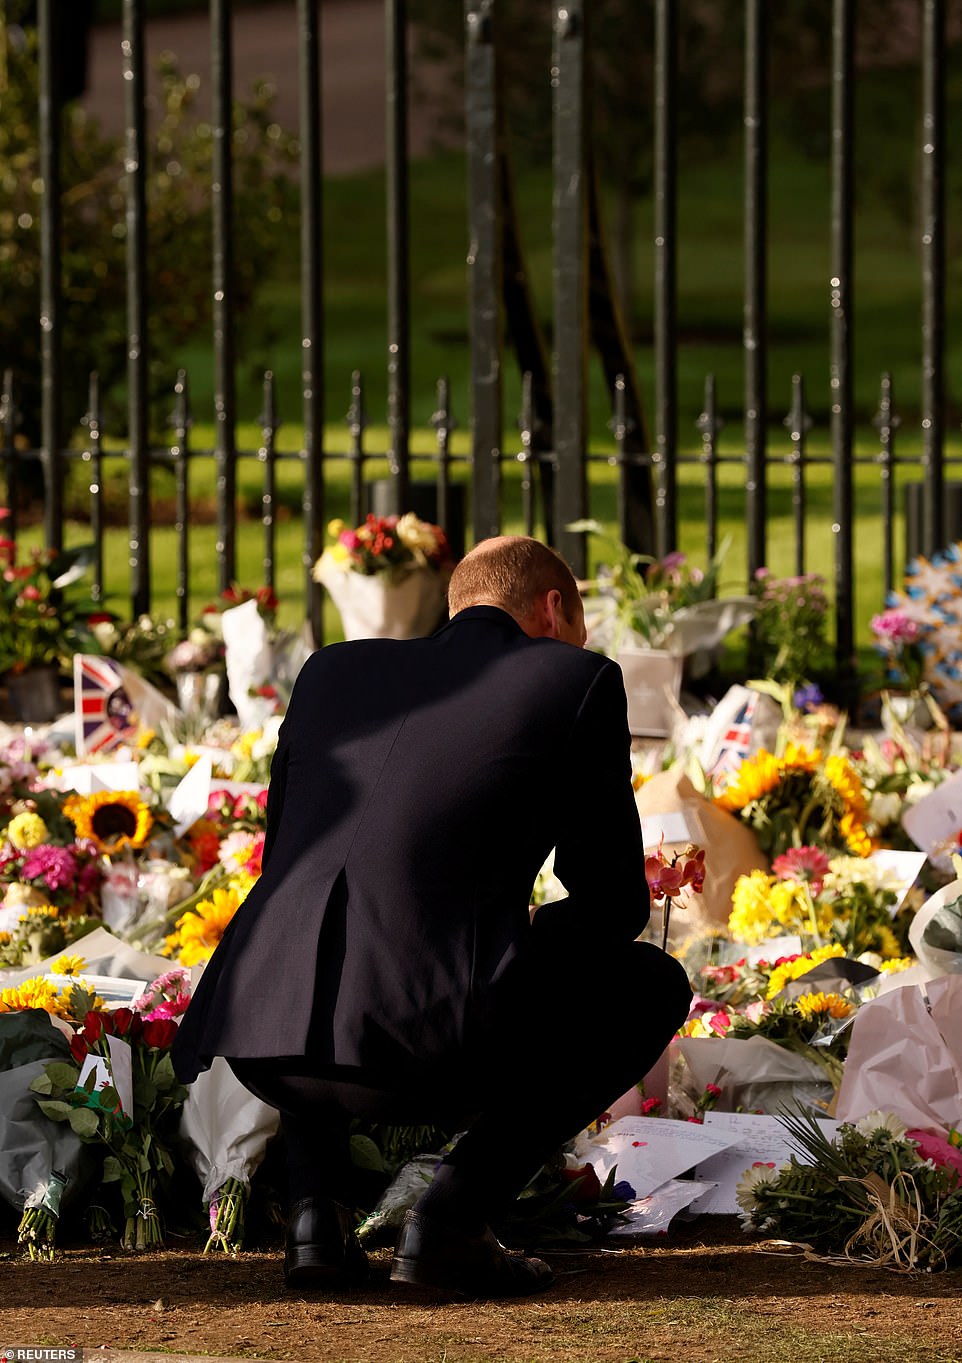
(57, 866)
(808, 697)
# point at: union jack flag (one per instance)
(736, 741)
(112, 703)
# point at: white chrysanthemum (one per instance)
(745, 1190)
(877, 1120)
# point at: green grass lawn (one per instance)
(710, 285)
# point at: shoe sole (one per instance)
(307, 1271)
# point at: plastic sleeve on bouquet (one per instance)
(226, 1128)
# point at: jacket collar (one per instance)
(490, 614)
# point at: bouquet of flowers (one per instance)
(665, 603)
(877, 1194)
(385, 544)
(387, 577)
(842, 900)
(134, 1129)
(790, 625)
(41, 622)
(800, 797)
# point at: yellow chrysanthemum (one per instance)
(824, 1005)
(198, 932)
(793, 970)
(68, 965)
(4, 938)
(895, 964)
(33, 993)
(844, 779)
(27, 830)
(111, 819)
(145, 738)
(762, 906)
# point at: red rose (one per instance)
(587, 1187)
(78, 1048)
(95, 1024)
(159, 1033)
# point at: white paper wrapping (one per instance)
(937, 960)
(375, 607)
(226, 1128)
(905, 1056)
(249, 661)
(105, 955)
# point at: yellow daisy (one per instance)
(895, 964)
(198, 932)
(68, 965)
(27, 830)
(111, 819)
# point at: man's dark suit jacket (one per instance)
(417, 788)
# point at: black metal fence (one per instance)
(555, 448)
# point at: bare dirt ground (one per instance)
(702, 1293)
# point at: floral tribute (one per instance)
(137, 1144)
(842, 900)
(879, 1194)
(386, 544)
(802, 796)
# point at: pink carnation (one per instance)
(937, 1149)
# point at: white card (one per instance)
(760, 1139)
(904, 865)
(188, 800)
(680, 826)
(937, 820)
(648, 1151)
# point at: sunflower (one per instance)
(844, 779)
(756, 777)
(34, 993)
(824, 1005)
(111, 819)
(801, 965)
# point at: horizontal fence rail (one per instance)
(553, 450)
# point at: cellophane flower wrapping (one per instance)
(753, 1073)
(225, 1127)
(31, 1146)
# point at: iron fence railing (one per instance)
(555, 448)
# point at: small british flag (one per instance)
(736, 741)
(112, 704)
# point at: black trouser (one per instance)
(585, 1027)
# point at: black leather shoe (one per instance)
(322, 1250)
(432, 1254)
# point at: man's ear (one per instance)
(553, 613)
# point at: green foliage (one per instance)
(94, 229)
